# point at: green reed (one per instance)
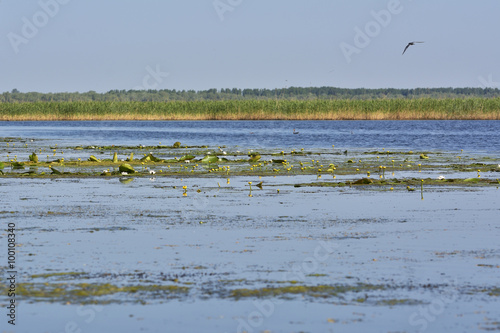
(390, 109)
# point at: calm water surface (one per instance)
(477, 136)
(438, 257)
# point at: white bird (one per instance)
(441, 177)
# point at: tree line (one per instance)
(288, 93)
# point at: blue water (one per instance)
(101, 226)
(476, 136)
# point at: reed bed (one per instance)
(382, 109)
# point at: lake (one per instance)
(309, 251)
(479, 136)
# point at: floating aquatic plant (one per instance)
(254, 157)
(209, 159)
(126, 168)
(33, 157)
(55, 171)
(17, 165)
(186, 158)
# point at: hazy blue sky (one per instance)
(82, 45)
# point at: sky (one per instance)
(84, 45)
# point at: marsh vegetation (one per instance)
(318, 109)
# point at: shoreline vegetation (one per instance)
(473, 108)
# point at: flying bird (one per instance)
(409, 44)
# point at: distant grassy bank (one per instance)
(381, 109)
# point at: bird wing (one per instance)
(407, 46)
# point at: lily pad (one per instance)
(17, 165)
(33, 157)
(126, 168)
(186, 158)
(254, 158)
(150, 158)
(55, 171)
(424, 157)
(209, 159)
(363, 181)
